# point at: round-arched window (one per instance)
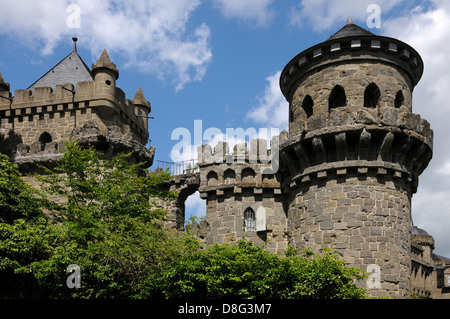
(249, 220)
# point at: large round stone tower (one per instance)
(355, 152)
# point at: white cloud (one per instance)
(272, 108)
(253, 11)
(151, 36)
(186, 142)
(431, 212)
(445, 169)
(321, 15)
(30, 21)
(427, 29)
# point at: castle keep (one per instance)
(73, 101)
(342, 176)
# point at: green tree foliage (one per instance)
(97, 214)
(16, 197)
(247, 271)
(24, 233)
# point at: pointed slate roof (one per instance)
(71, 69)
(350, 30)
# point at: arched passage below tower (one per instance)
(195, 206)
(185, 186)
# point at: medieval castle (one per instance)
(341, 177)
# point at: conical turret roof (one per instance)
(350, 30)
(139, 99)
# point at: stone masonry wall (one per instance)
(234, 182)
(364, 217)
(354, 79)
(225, 217)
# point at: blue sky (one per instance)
(218, 61)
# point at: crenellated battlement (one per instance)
(342, 176)
(256, 152)
(29, 105)
(254, 168)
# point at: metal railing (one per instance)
(179, 168)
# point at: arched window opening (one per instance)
(337, 97)
(371, 95)
(267, 178)
(229, 176)
(249, 220)
(248, 175)
(212, 178)
(308, 105)
(44, 139)
(399, 98)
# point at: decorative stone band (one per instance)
(236, 179)
(248, 189)
(340, 169)
(111, 142)
(423, 240)
(404, 152)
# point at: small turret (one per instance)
(142, 107)
(105, 74)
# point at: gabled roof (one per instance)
(71, 69)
